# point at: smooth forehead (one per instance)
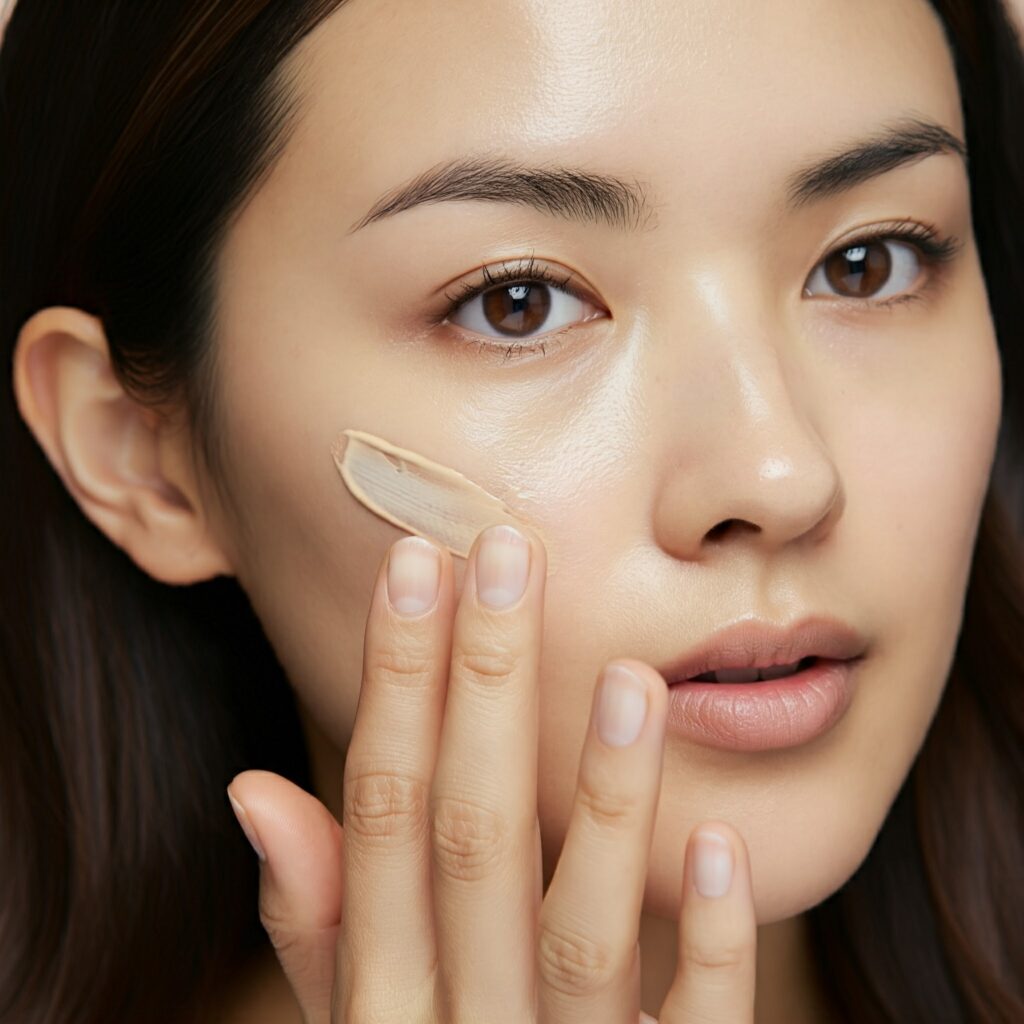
(686, 94)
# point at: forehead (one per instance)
(685, 94)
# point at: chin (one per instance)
(788, 877)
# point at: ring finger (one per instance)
(587, 947)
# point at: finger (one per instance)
(717, 932)
(300, 881)
(587, 962)
(484, 797)
(387, 954)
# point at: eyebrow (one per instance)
(566, 192)
(900, 143)
(605, 199)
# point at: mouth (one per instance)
(734, 709)
(756, 650)
(755, 674)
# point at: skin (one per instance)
(855, 441)
(1016, 8)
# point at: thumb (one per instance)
(301, 847)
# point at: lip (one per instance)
(762, 716)
(770, 714)
(757, 642)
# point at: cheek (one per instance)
(927, 482)
(916, 486)
(309, 553)
(924, 467)
(310, 550)
(308, 582)
(915, 462)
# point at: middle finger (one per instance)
(484, 794)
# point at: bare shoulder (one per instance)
(260, 995)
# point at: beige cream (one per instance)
(415, 493)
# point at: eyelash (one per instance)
(935, 251)
(519, 272)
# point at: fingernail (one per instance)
(502, 566)
(250, 832)
(414, 572)
(621, 706)
(712, 866)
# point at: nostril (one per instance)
(716, 532)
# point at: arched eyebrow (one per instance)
(611, 201)
(901, 142)
(565, 192)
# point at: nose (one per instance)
(747, 465)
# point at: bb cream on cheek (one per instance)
(415, 493)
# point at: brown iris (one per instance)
(517, 308)
(859, 270)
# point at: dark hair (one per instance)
(130, 136)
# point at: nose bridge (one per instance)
(747, 460)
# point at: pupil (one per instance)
(517, 308)
(860, 270)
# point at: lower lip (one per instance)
(768, 715)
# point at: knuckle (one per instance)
(571, 964)
(384, 805)
(403, 667)
(725, 959)
(607, 810)
(466, 839)
(486, 663)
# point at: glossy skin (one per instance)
(849, 443)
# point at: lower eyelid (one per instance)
(925, 292)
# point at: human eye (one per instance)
(520, 307)
(885, 266)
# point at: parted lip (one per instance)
(760, 644)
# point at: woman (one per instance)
(719, 305)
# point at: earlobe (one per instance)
(116, 457)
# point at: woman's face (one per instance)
(711, 368)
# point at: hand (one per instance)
(426, 904)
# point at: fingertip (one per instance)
(288, 824)
(657, 691)
(539, 547)
(723, 832)
(246, 824)
(303, 847)
(728, 833)
(714, 861)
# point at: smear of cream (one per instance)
(417, 494)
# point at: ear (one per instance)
(125, 464)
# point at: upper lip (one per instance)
(756, 643)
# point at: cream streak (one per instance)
(416, 494)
